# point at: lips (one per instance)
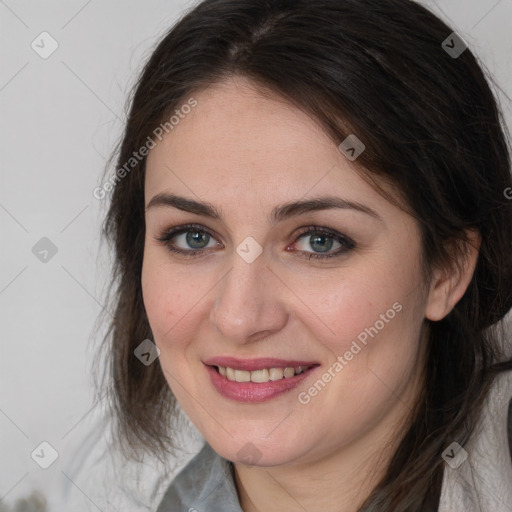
(249, 390)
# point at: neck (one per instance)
(339, 481)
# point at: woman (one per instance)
(312, 237)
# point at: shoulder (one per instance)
(479, 478)
(205, 483)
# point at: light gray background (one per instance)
(60, 118)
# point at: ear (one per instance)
(449, 284)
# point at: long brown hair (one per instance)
(432, 127)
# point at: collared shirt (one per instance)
(479, 479)
(206, 484)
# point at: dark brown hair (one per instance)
(432, 129)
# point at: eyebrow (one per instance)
(278, 214)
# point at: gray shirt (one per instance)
(206, 484)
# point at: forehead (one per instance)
(238, 144)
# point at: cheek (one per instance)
(373, 359)
(165, 294)
(169, 297)
(372, 321)
(175, 297)
(366, 303)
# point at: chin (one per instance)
(256, 452)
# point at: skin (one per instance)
(246, 153)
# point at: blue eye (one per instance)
(197, 238)
(323, 239)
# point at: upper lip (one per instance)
(256, 364)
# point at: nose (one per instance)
(249, 304)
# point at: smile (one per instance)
(260, 376)
(256, 380)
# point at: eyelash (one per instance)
(165, 237)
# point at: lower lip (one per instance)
(254, 391)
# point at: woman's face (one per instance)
(259, 291)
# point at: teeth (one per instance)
(242, 376)
(261, 376)
(276, 373)
(289, 372)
